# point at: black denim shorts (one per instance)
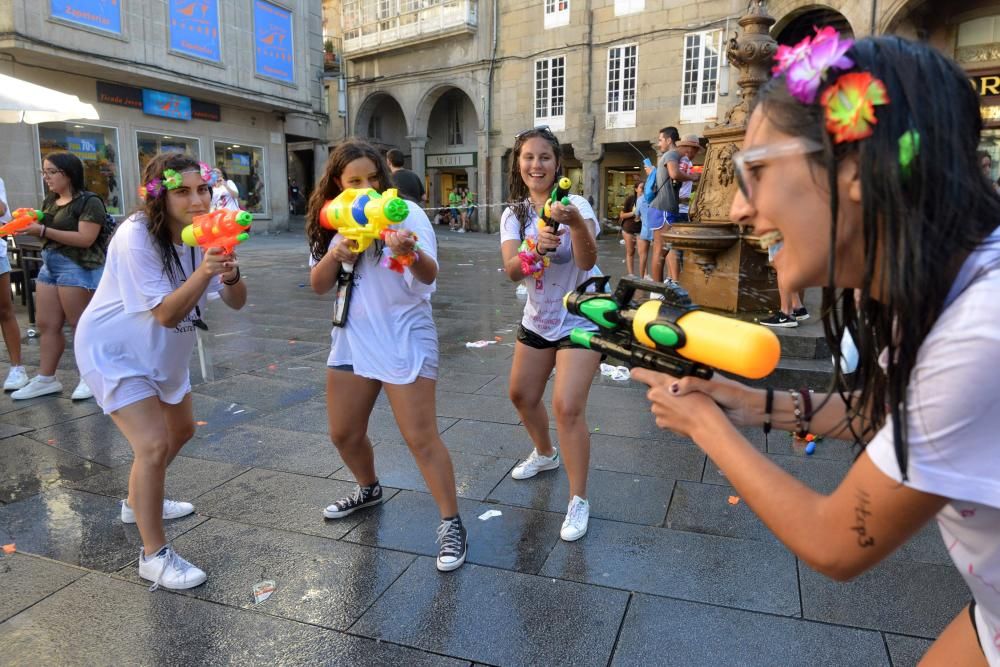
(531, 339)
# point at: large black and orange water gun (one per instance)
(671, 336)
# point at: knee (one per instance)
(523, 398)
(567, 411)
(423, 445)
(347, 439)
(182, 435)
(153, 454)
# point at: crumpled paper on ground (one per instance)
(617, 373)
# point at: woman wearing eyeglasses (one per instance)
(72, 263)
(550, 262)
(873, 185)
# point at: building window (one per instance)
(244, 166)
(556, 13)
(97, 148)
(148, 144)
(375, 127)
(550, 93)
(699, 96)
(622, 66)
(455, 122)
(624, 7)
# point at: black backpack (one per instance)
(107, 229)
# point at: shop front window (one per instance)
(97, 148)
(244, 165)
(989, 141)
(149, 144)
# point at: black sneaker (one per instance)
(364, 496)
(800, 314)
(779, 319)
(454, 545)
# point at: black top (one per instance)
(409, 185)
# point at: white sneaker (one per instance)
(82, 392)
(172, 509)
(16, 378)
(169, 570)
(577, 517)
(534, 464)
(37, 387)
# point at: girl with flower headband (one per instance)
(388, 341)
(135, 339)
(872, 184)
(549, 264)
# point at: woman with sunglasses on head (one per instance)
(550, 262)
(72, 263)
(873, 185)
(134, 345)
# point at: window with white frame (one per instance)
(702, 62)
(550, 93)
(455, 122)
(556, 13)
(622, 68)
(624, 7)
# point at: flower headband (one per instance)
(172, 179)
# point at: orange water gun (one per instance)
(223, 228)
(23, 218)
(361, 215)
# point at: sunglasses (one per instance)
(759, 156)
(544, 130)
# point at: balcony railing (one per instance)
(373, 25)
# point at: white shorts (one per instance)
(112, 396)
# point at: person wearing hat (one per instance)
(689, 147)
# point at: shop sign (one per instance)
(986, 84)
(167, 105)
(83, 148)
(98, 14)
(273, 43)
(205, 111)
(123, 96)
(194, 28)
(451, 160)
(238, 164)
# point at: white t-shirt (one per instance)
(544, 312)
(686, 187)
(5, 218)
(221, 197)
(119, 338)
(953, 441)
(390, 333)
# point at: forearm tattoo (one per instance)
(861, 513)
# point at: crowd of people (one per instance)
(858, 183)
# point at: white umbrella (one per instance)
(23, 102)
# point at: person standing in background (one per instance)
(16, 376)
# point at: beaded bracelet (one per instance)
(768, 406)
(807, 413)
(797, 411)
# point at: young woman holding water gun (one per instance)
(386, 341)
(872, 185)
(550, 258)
(134, 344)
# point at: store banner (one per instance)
(103, 15)
(194, 28)
(273, 42)
(83, 148)
(167, 105)
(238, 164)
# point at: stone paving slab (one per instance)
(256, 446)
(906, 651)
(94, 437)
(475, 476)
(613, 495)
(79, 528)
(745, 574)
(706, 508)
(319, 581)
(48, 410)
(73, 627)
(657, 458)
(664, 631)
(261, 394)
(517, 540)
(821, 475)
(187, 479)
(496, 616)
(8, 430)
(897, 596)
(284, 501)
(25, 580)
(27, 467)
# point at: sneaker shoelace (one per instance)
(449, 534)
(356, 498)
(576, 513)
(170, 558)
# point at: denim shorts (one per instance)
(58, 269)
(646, 234)
(4, 265)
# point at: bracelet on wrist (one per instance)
(234, 280)
(768, 406)
(41, 235)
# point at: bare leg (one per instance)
(349, 402)
(50, 319)
(956, 646)
(575, 370)
(528, 376)
(8, 322)
(630, 254)
(658, 254)
(643, 258)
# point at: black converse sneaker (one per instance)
(454, 545)
(364, 496)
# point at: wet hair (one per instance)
(518, 194)
(345, 153)
(155, 208)
(70, 165)
(395, 157)
(670, 132)
(924, 220)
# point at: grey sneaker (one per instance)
(534, 464)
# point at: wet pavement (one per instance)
(670, 571)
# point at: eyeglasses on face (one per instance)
(760, 155)
(50, 172)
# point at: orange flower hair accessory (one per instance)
(850, 106)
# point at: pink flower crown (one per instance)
(172, 179)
